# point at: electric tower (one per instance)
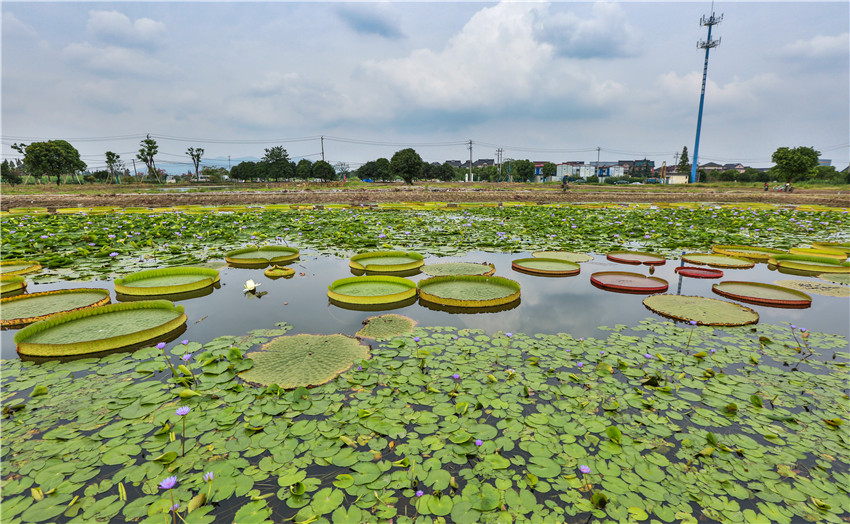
(706, 44)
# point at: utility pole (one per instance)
(228, 162)
(706, 44)
(499, 160)
(598, 151)
(323, 147)
(135, 173)
(470, 162)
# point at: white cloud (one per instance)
(112, 60)
(14, 28)
(114, 28)
(820, 46)
(607, 34)
(741, 95)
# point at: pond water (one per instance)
(547, 304)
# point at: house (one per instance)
(711, 166)
(737, 167)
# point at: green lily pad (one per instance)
(11, 284)
(458, 268)
(546, 266)
(766, 294)
(303, 360)
(25, 309)
(705, 311)
(810, 264)
(563, 255)
(19, 267)
(723, 261)
(751, 252)
(837, 278)
(372, 289)
(166, 281)
(818, 288)
(636, 258)
(386, 326)
(261, 257)
(387, 261)
(469, 291)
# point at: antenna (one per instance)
(706, 44)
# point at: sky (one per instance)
(544, 81)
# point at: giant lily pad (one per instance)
(303, 360)
(12, 283)
(165, 281)
(371, 289)
(699, 272)
(766, 294)
(636, 258)
(818, 288)
(101, 328)
(838, 278)
(628, 282)
(704, 311)
(546, 266)
(810, 264)
(718, 260)
(458, 268)
(563, 255)
(469, 291)
(386, 326)
(836, 246)
(751, 252)
(19, 267)
(25, 309)
(386, 261)
(261, 257)
(819, 252)
(279, 271)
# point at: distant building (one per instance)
(454, 163)
(824, 162)
(737, 167)
(484, 162)
(676, 178)
(711, 166)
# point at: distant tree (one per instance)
(446, 172)
(406, 164)
(427, 169)
(341, 170)
(324, 171)
(550, 170)
(53, 158)
(384, 171)
(9, 174)
(795, 164)
(101, 175)
(730, 175)
(146, 154)
(113, 164)
(21, 148)
(523, 170)
(304, 169)
(244, 171)
(369, 171)
(195, 154)
(684, 165)
(215, 174)
(277, 165)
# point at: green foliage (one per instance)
(146, 154)
(795, 164)
(53, 158)
(195, 154)
(522, 170)
(215, 174)
(276, 165)
(9, 174)
(245, 171)
(324, 171)
(304, 169)
(406, 164)
(549, 169)
(684, 165)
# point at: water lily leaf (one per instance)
(487, 499)
(326, 500)
(351, 515)
(254, 512)
(440, 506)
(705, 311)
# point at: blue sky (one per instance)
(544, 81)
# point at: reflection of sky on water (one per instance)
(548, 305)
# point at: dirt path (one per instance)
(514, 193)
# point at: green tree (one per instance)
(113, 164)
(369, 171)
(244, 171)
(323, 171)
(550, 170)
(146, 154)
(53, 158)
(406, 164)
(384, 171)
(684, 165)
(304, 169)
(215, 174)
(522, 170)
(276, 164)
(341, 170)
(195, 153)
(10, 175)
(795, 164)
(446, 172)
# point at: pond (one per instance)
(575, 404)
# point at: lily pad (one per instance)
(699, 272)
(166, 281)
(628, 282)
(636, 258)
(819, 252)
(262, 256)
(371, 289)
(386, 326)
(19, 267)
(751, 252)
(386, 261)
(303, 360)
(25, 309)
(836, 246)
(718, 260)
(279, 271)
(563, 255)
(811, 264)
(469, 291)
(12, 283)
(458, 268)
(818, 288)
(101, 328)
(765, 294)
(705, 311)
(837, 278)
(546, 266)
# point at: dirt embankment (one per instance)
(517, 193)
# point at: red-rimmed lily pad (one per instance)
(387, 261)
(19, 267)
(102, 328)
(625, 281)
(458, 268)
(699, 272)
(723, 261)
(469, 291)
(636, 258)
(25, 309)
(751, 252)
(765, 294)
(546, 266)
(563, 255)
(166, 281)
(262, 256)
(704, 311)
(371, 289)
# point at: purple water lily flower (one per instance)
(187, 357)
(168, 483)
(580, 364)
(478, 442)
(456, 376)
(584, 469)
(208, 476)
(419, 493)
(161, 345)
(184, 342)
(183, 410)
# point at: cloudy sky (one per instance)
(544, 81)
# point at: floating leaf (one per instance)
(705, 311)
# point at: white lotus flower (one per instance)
(250, 286)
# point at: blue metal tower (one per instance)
(707, 44)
